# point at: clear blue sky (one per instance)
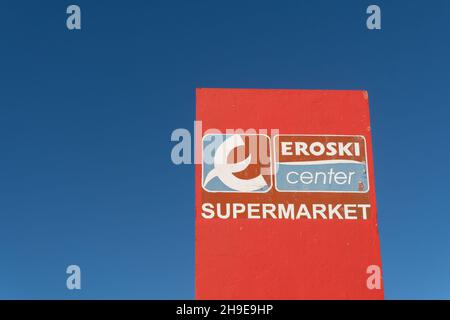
(86, 118)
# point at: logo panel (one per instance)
(237, 163)
(320, 163)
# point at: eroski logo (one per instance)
(320, 163)
(236, 163)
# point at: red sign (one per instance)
(285, 196)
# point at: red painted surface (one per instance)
(286, 259)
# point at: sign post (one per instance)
(285, 195)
